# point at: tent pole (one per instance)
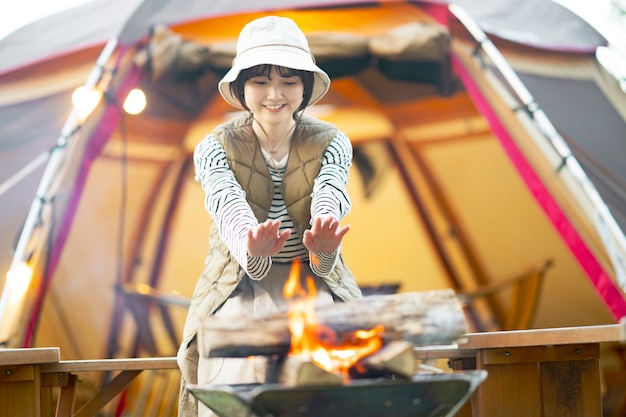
(14, 293)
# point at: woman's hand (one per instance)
(325, 235)
(266, 240)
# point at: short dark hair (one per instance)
(236, 87)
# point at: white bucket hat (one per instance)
(276, 41)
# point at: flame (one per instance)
(308, 337)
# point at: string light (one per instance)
(85, 100)
(135, 101)
(18, 278)
(13, 296)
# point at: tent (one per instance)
(488, 144)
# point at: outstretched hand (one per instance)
(325, 235)
(266, 239)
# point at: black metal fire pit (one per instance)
(424, 395)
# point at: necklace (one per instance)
(273, 151)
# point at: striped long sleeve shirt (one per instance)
(226, 203)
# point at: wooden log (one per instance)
(299, 370)
(396, 358)
(420, 318)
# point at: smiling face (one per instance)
(242, 88)
(273, 96)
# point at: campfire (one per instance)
(329, 359)
(320, 344)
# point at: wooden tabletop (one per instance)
(126, 364)
(545, 337)
(29, 356)
(49, 360)
(471, 342)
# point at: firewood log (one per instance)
(419, 318)
(299, 370)
(396, 358)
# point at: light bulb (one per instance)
(18, 278)
(135, 101)
(85, 100)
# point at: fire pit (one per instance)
(341, 359)
(424, 395)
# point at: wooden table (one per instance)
(21, 381)
(64, 374)
(545, 372)
(27, 377)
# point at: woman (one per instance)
(275, 185)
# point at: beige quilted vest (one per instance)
(222, 273)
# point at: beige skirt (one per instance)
(250, 297)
